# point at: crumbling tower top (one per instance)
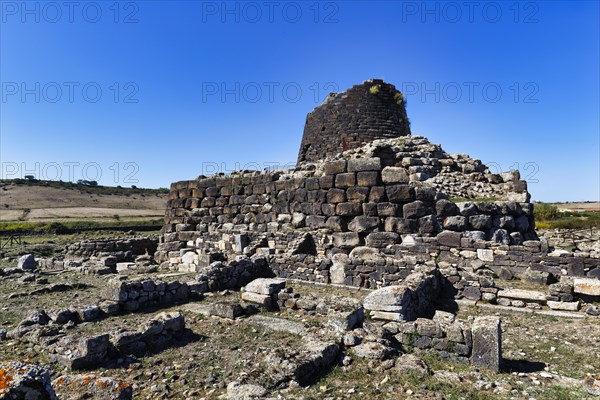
(363, 113)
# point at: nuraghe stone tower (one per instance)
(363, 113)
(367, 205)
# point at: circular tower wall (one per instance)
(363, 113)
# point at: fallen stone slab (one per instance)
(20, 380)
(587, 286)
(386, 315)
(83, 353)
(304, 364)
(267, 286)
(522, 294)
(71, 387)
(264, 300)
(413, 298)
(27, 262)
(563, 305)
(487, 343)
(345, 321)
(226, 310)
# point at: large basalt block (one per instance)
(382, 239)
(364, 164)
(416, 209)
(587, 286)
(394, 175)
(487, 343)
(400, 193)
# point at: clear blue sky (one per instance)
(185, 86)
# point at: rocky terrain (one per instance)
(380, 267)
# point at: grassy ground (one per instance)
(215, 352)
(550, 216)
(49, 201)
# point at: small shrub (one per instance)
(545, 212)
(374, 89)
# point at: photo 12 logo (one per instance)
(72, 171)
(453, 12)
(69, 92)
(471, 92)
(53, 12)
(252, 12)
(271, 92)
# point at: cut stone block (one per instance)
(266, 286)
(262, 299)
(386, 316)
(485, 255)
(589, 286)
(521, 294)
(563, 305)
(487, 343)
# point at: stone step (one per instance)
(522, 294)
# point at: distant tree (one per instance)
(30, 178)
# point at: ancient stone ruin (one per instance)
(369, 209)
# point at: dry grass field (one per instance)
(35, 203)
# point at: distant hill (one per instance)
(33, 200)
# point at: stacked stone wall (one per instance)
(365, 112)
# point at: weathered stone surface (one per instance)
(487, 343)
(587, 286)
(238, 391)
(563, 305)
(446, 208)
(262, 299)
(364, 164)
(268, 286)
(412, 299)
(373, 351)
(226, 310)
(337, 272)
(591, 384)
(456, 223)
(400, 193)
(27, 262)
(345, 180)
(522, 294)
(449, 238)
(480, 222)
(416, 209)
(411, 364)
(70, 387)
(363, 224)
(382, 239)
(392, 175)
(346, 240)
(19, 380)
(485, 255)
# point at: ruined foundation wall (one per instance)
(365, 112)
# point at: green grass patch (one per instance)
(66, 226)
(548, 216)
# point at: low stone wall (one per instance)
(121, 249)
(583, 241)
(451, 337)
(75, 352)
(139, 294)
